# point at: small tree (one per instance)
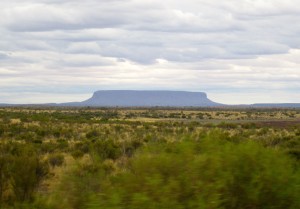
(27, 171)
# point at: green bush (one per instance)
(26, 172)
(76, 186)
(76, 154)
(106, 149)
(56, 159)
(208, 174)
(4, 174)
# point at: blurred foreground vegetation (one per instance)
(149, 158)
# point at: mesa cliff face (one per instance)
(130, 98)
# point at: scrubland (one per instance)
(89, 158)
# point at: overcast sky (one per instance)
(237, 51)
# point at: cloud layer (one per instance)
(238, 51)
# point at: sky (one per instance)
(237, 51)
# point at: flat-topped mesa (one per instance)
(132, 98)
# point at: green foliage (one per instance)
(76, 154)
(156, 158)
(4, 174)
(27, 171)
(77, 185)
(56, 159)
(208, 174)
(21, 172)
(106, 149)
(92, 134)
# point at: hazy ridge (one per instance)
(154, 98)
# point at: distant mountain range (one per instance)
(280, 105)
(132, 98)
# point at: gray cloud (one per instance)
(3, 56)
(233, 45)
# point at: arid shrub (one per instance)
(210, 174)
(56, 159)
